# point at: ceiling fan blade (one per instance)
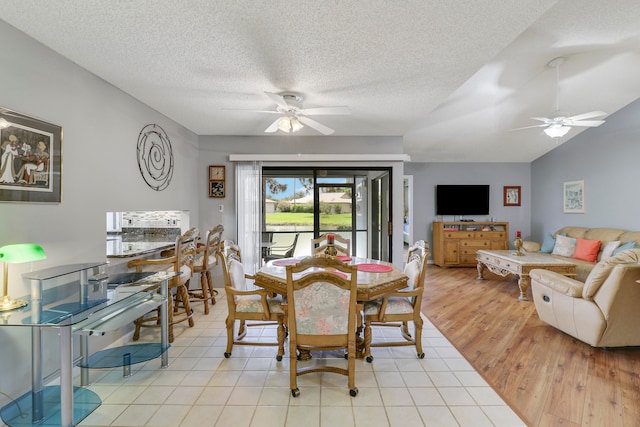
(543, 119)
(327, 111)
(529, 127)
(315, 125)
(251, 111)
(278, 99)
(589, 115)
(273, 126)
(587, 123)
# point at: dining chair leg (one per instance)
(281, 337)
(230, 323)
(367, 342)
(418, 333)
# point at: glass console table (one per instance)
(81, 299)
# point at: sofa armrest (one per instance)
(531, 246)
(558, 282)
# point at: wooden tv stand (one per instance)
(455, 243)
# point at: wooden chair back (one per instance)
(321, 313)
(342, 245)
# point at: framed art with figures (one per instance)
(512, 196)
(31, 159)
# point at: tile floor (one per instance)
(202, 388)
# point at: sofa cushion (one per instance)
(587, 249)
(624, 247)
(548, 243)
(572, 231)
(565, 246)
(602, 270)
(630, 236)
(603, 234)
(608, 249)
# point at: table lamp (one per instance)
(13, 254)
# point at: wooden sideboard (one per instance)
(455, 243)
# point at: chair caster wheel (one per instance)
(420, 355)
(369, 359)
(279, 358)
(227, 355)
(295, 392)
(353, 392)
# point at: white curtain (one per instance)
(249, 208)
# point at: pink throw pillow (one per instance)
(587, 249)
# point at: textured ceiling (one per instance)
(450, 77)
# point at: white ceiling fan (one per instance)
(293, 117)
(561, 123)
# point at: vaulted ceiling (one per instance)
(451, 77)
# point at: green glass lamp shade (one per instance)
(12, 254)
(21, 252)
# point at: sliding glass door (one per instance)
(312, 201)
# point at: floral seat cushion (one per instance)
(395, 305)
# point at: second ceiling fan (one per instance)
(294, 117)
(561, 123)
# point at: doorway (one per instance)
(314, 201)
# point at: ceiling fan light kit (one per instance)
(294, 116)
(557, 131)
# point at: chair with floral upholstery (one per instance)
(248, 305)
(342, 245)
(180, 260)
(398, 308)
(205, 260)
(321, 314)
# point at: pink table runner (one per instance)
(375, 268)
(286, 261)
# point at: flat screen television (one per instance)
(462, 199)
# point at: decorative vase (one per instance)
(330, 250)
(518, 244)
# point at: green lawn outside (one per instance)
(290, 218)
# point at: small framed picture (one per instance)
(573, 196)
(216, 188)
(512, 195)
(216, 173)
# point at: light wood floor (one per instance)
(546, 376)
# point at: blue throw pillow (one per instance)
(548, 243)
(628, 245)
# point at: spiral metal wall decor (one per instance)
(155, 157)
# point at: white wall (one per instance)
(497, 175)
(216, 150)
(606, 158)
(100, 173)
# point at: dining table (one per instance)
(375, 279)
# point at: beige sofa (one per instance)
(601, 311)
(605, 235)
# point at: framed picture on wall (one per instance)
(217, 180)
(573, 196)
(512, 195)
(30, 159)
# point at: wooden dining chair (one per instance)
(398, 308)
(321, 314)
(180, 260)
(342, 245)
(204, 262)
(250, 307)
